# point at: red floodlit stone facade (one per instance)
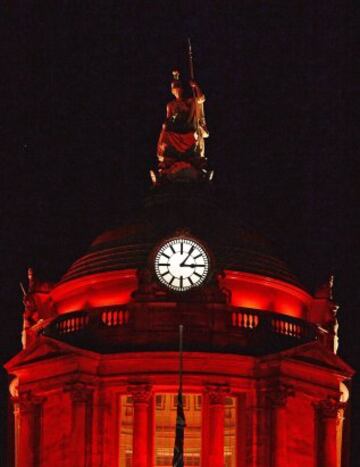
(96, 381)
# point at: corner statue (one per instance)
(181, 148)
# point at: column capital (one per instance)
(79, 391)
(329, 408)
(217, 393)
(27, 401)
(140, 393)
(277, 394)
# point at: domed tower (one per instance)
(97, 380)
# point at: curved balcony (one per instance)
(213, 328)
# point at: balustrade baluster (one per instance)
(252, 321)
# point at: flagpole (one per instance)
(181, 331)
(178, 457)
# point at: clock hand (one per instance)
(188, 256)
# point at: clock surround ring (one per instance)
(181, 263)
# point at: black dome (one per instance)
(168, 210)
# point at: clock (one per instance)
(181, 264)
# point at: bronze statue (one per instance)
(183, 131)
(181, 146)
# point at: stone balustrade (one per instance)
(155, 327)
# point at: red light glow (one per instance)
(96, 290)
(247, 290)
(264, 293)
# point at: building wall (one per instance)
(68, 406)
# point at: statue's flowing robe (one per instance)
(178, 135)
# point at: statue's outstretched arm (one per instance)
(199, 95)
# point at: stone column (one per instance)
(277, 396)
(106, 423)
(81, 423)
(141, 394)
(216, 396)
(243, 429)
(329, 412)
(27, 412)
(254, 435)
(16, 431)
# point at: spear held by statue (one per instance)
(201, 126)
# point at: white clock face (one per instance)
(181, 264)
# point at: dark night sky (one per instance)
(83, 95)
